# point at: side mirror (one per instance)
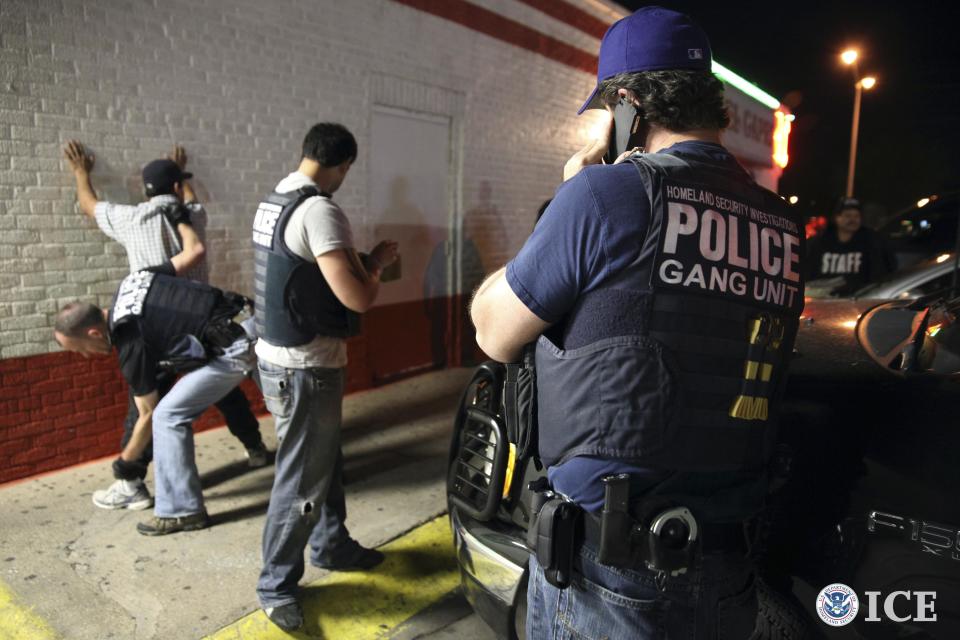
(913, 337)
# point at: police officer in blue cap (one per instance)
(663, 292)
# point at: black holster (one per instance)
(554, 536)
(221, 330)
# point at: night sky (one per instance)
(909, 122)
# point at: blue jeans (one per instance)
(234, 407)
(715, 600)
(307, 503)
(177, 480)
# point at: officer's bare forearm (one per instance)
(368, 277)
(504, 323)
(140, 439)
(485, 285)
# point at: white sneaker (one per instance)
(124, 494)
(257, 457)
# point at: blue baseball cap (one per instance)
(650, 39)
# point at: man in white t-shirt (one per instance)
(310, 286)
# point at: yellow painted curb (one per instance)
(420, 568)
(18, 622)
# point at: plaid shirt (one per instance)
(147, 235)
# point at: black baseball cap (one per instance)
(848, 203)
(159, 176)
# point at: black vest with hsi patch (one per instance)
(679, 361)
(169, 313)
(293, 301)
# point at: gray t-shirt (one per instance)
(318, 226)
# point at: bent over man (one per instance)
(165, 233)
(663, 293)
(158, 322)
(310, 287)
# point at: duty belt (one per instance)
(665, 542)
(714, 538)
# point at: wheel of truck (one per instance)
(781, 618)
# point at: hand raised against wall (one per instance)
(179, 156)
(79, 158)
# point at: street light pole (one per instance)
(854, 129)
(849, 58)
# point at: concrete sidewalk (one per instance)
(89, 574)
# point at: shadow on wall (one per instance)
(399, 333)
(484, 242)
(410, 227)
(483, 226)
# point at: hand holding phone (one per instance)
(593, 152)
(629, 130)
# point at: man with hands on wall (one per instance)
(165, 235)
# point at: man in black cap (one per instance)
(151, 232)
(848, 249)
(663, 292)
(162, 234)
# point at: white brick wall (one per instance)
(238, 82)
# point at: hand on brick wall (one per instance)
(179, 156)
(81, 161)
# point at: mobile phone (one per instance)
(629, 130)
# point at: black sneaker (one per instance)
(362, 559)
(288, 617)
(157, 526)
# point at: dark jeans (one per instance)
(234, 407)
(715, 600)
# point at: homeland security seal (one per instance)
(837, 605)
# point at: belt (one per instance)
(713, 537)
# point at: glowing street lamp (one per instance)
(849, 58)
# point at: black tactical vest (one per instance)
(293, 302)
(166, 308)
(679, 361)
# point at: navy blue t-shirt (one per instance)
(593, 228)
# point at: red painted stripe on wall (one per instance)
(571, 15)
(60, 409)
(510, 31)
